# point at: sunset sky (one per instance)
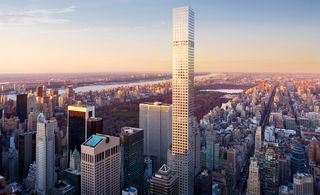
(39, 36)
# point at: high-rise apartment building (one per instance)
(11, 159)
(22, 107)
(155, 120)
(258, 140)
(254, 178)
(212, 152)
(297, 159)
(69, 92)
(27, 152)
(40, 91)
(78, 125)
(100, 165)
(132, 160)
(302, 184)
(164, 182)
(316, 179)
(45, 155)
(183, 98)
(32, 121)
(203, 183)
(313, 151)
(32, 102)
(269, 172)
(284, 169)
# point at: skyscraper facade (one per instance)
(284, 170)
(27, 152)
(203, 183)
(155, 120)
(45, 155)
(212, 152)
(32, 102)
(32, 121)
(132, 157)
(40, 91)
(297, 159)
(100, 165)
(78, 125)
(302, 184)
(269, 172)
(95, 126)
(254, 178)
(313, 151)
(21, 107)
(258, 140)
(69, 92)
(183, 98)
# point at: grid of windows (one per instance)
(100, 173)
(183, 97)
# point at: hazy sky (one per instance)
(135, 35)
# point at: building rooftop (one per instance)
(95, 119)
(204, 173)
(301, 175)
(130, 130)
(80, 108)
(156, 104)
(73, 172)
(75, 153)
(93, 141)
(164, 169)
(41, 118)
(131, 190)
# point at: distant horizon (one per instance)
(156, 72)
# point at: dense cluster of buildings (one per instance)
(62, 149)
(263, 141)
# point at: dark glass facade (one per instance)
(21, 107)
(297, 159)
(77, 125)
(203, 184)
(40, 91)
(27, 152)
(95, 125)
(73, 178)
(132, 158)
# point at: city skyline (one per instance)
(148, 133)
(116, 36)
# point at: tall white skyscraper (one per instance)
(155, 120)
(182, 160)
(45, 155)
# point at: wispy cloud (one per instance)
(35, 16)
(79, 30)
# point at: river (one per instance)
(99, 87)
